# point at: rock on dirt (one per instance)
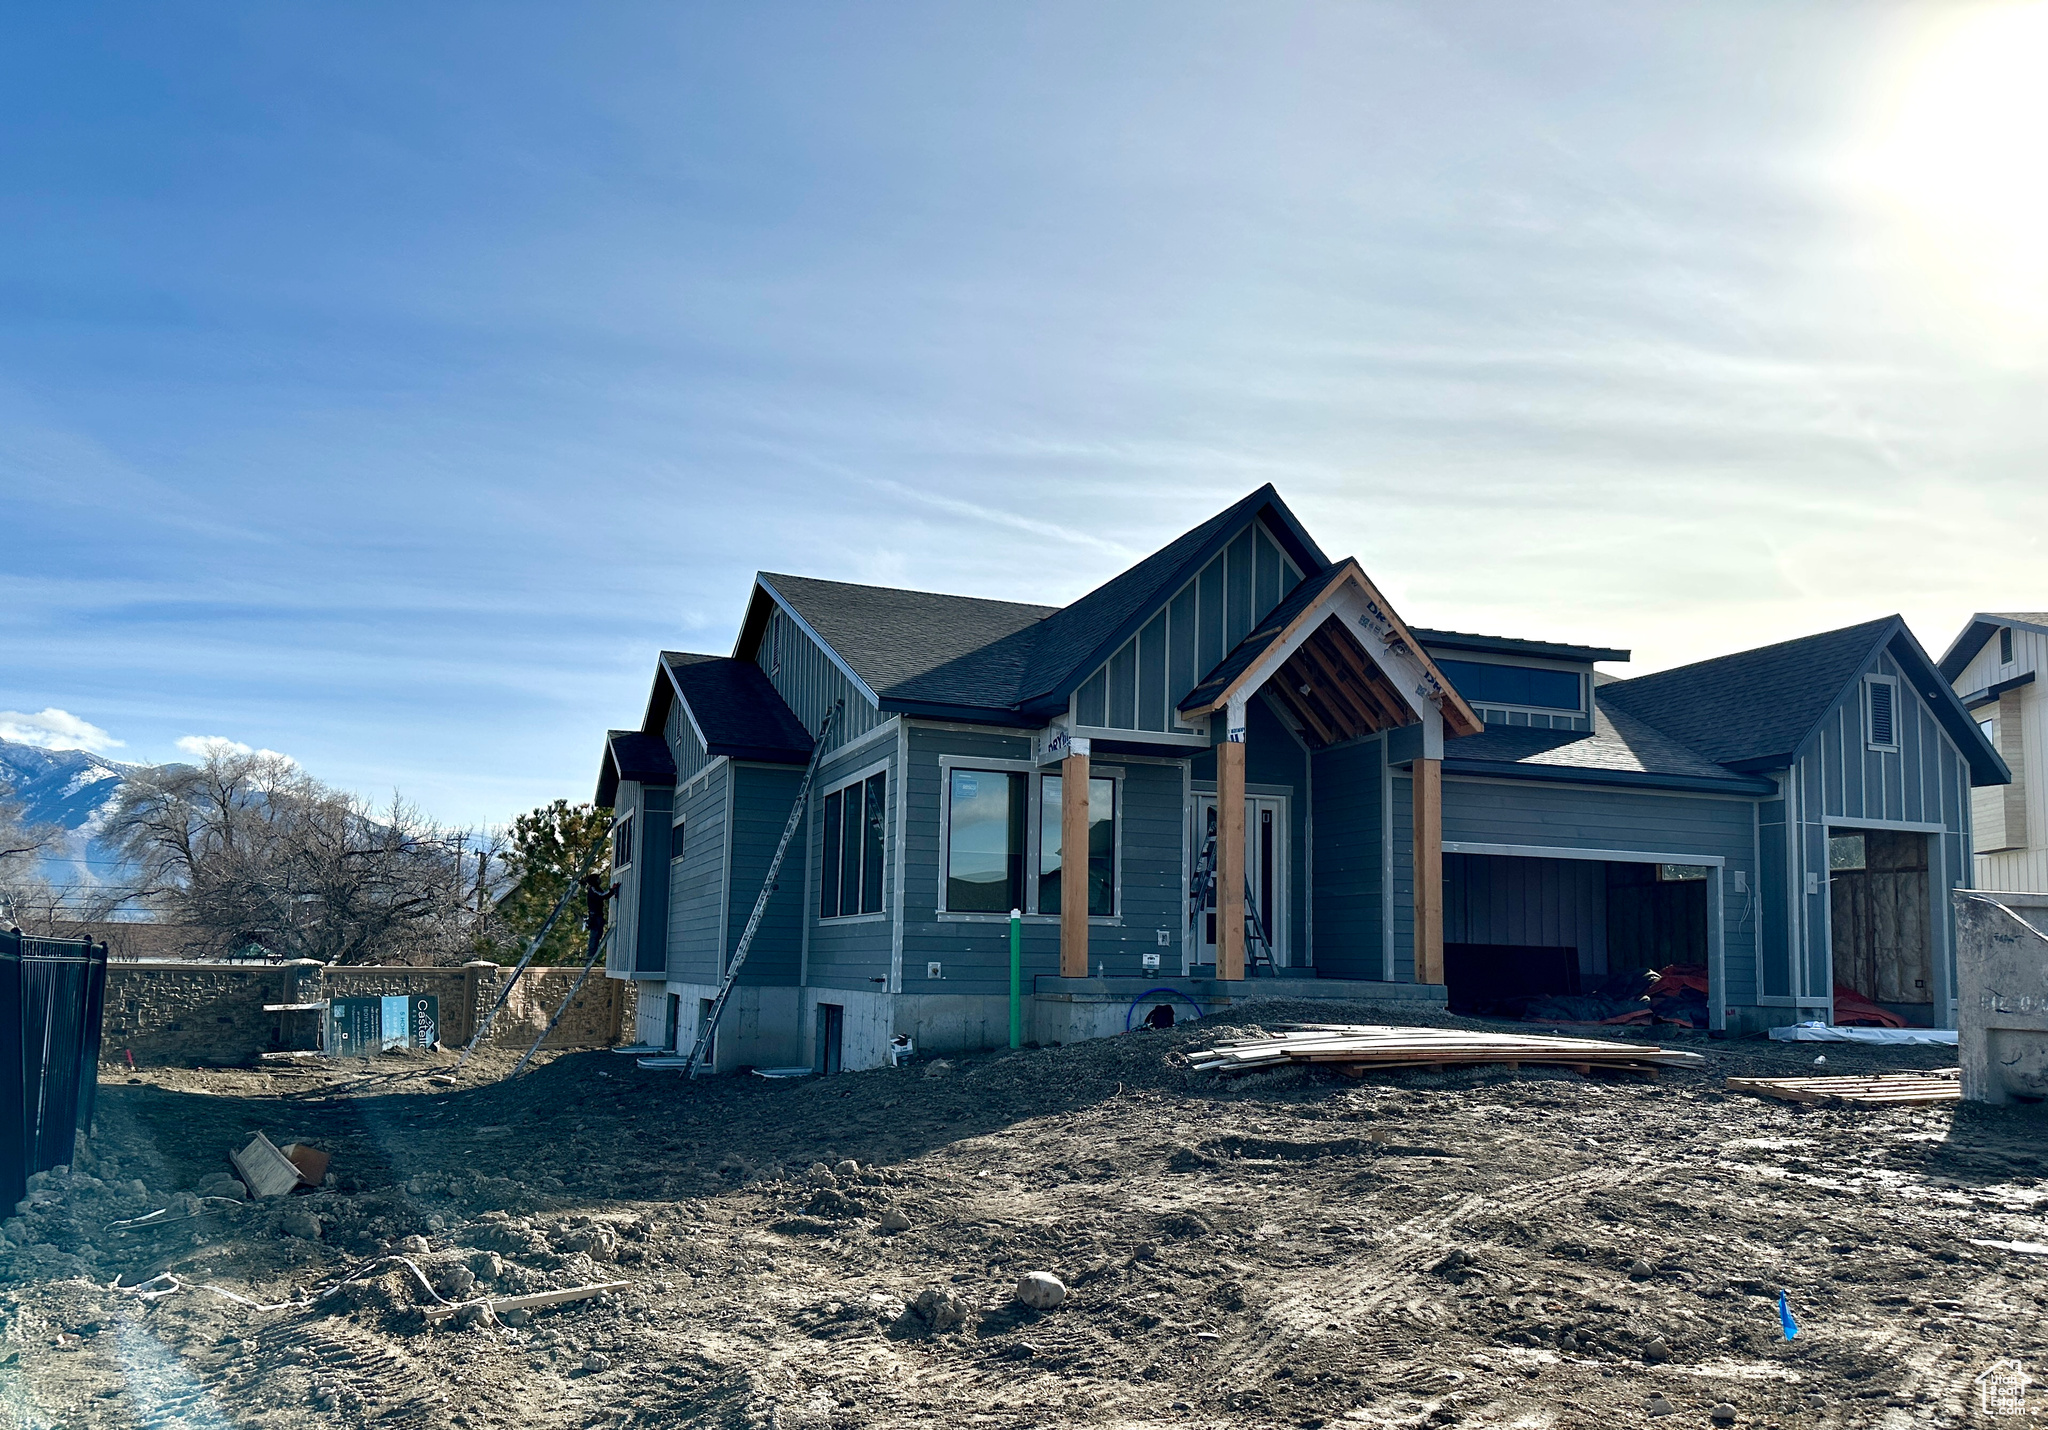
(941, 1310)
(895, 1219)
(1041, 1290)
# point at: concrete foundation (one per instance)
(2002, 977)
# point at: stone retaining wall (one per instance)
(183, 1014)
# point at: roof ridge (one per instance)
(904, 590)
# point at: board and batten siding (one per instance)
(762, 795)
(810, 682)
(683, 745)
(648, 939)
(1349, 852)
(1839, 783)
(1529, 903)
(1138, 687)
(851, 954)
(1570, 818)
(974, 952)
(697, 877)
(2015, 864)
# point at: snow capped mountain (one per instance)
(75, 790)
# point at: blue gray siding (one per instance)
(697, 878)
(1838, 781)
(851, 953)
(683, 745)
(809, 682)
(1138, 687)
(761, 800)
(650, 875)
(1349, 907)
(975, 951)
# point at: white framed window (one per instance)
(1002, 840)
(622, 843)
(1881, 712)
(853, 869)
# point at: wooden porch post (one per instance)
(1074, 862)
(1230, 846)
(1429, 871)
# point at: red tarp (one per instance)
(1853, 1010)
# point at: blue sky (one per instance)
(384, 385)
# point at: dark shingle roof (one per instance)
(917, 640)
(1755, 705)
(630, 755)
(1512, 645)
(1618, 743)
(922, 649)
(737, 709)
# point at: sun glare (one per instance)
(1962, 152)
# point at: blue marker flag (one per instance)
(1785, 1318)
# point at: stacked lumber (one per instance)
(1889, 1090)
(1359, 1048)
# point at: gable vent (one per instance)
(1883, 713)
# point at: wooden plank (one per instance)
(1340, 661)
(1310, 665)
(1230, 858)
(1074, 866)
(1429, 871)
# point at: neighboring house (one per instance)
(1389, 811)
(1994, 666)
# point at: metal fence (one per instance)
(52, 995)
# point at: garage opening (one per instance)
(1576, 940)
(1881, 927)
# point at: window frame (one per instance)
(2005, 651)
(1870, 740)
(622, 838)
(838, 786)
(1033, 825)
(1034, 869)
(1578, 677)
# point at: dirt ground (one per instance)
(1294, 1248)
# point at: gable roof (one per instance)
(933, 654)
(733, 708)
(1756, 709)
(632, 755)
(1300, 606)
(1983, 626)
(1080, 637)
(1620, 749)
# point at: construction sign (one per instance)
(357, 1027)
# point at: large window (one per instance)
(1101, 846)
(985, 842)
(991, 866)
(1483, 684)
(850, 880)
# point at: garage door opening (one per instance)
(1881, 925)
(1575, 940)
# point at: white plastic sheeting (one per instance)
(1828, 1033)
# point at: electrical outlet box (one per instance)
(1165, 937)
(1151, 962)
(934, 970)
(1812, 882)
(1742, 881)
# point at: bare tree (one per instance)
(28, 901)
(250, 850)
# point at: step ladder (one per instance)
(1201, 892)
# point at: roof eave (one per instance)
(1012, 718)
(1584, 774)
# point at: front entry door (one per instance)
(1265, 869)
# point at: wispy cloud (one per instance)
(54, 729)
